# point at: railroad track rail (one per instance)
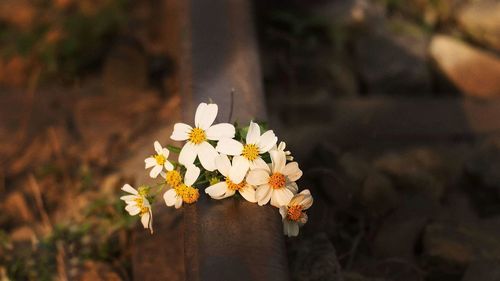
(215, 48)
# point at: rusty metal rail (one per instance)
(214, 44)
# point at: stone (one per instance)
(483, 270)
(473, 71)
(417, 170)
(392, 59)
(314, 259)
(355, 167)
(481, 21)
(349, 12)
(482, 178)
(378, 194)
(399, 233)
(484, 163)
(354, 276)
(430, 13)
(453, 247)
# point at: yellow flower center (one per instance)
(139, 201)
(233, 186)
(294, 212)
(144, 210)
(277, 181)
(189, 194)
(250, 152)
(173, 178)
(160, 159)
(197, 136)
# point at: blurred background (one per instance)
(390, 106)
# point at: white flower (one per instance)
(275, 183)
(197, 144)
(248, 155)
(293, 213)
(158, 161)
(138, 204)
(282, 147)
(234, 181)
(184, 192)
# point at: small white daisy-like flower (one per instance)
(293, 213)
(197, 144)
(249, 155)
(138, 204)
(184, 191)
(158, 161)
(282, 147)
(234, 180)
(275, 183)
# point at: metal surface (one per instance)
(229, 239)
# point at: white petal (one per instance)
(216, 190)
(257, 177)
(188, 154)
(150, 220)
(178, 202)
(248, 192)
(207, 155)
(229, 193)
(307, 200)
(223, 164)
(128, 188)
(286, 228)
(128, 198)
(181, 132)
(158, 147)
(282, 146)
(263, 194)
(165, 152)
(278, 160)
(293, 229)
(170, 197)
(259, 163)
(292, 171)
(192, 174)
(267, 141)
(145, 220)
(281, 197)
(253, 134)
(283, 212)
(239, 169)
(229, 147)
(150, 162)
(292, 186)
(205, 115)
(132, 210)
(155, 171)
(219, 131)
(168, 166)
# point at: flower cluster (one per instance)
(227, 160)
